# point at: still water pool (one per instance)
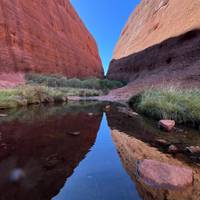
(101, 174)
(78, 151)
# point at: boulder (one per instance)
(167, 125)
(164, 176)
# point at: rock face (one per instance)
(9, 80)
(160, 42)
(46, 36)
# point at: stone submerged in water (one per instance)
(75, 133)
(3, 115)
(167, 125)
(107, 108)
(164, 176)
(173, 149)
(193, 149)
(161, 142)
(127, 111)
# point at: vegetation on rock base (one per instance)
(60, 81)
(180, 105)
(53, 88)
(26, 95)
(36, 94)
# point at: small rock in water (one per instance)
(164, 176)
(127, 111)
(162, 142)
(107, 108)
(51, 161)
(167, 125)
(3, 115)
(172, 149)
(17, 175)
(3, 146)
(178, 130)
(75, 133)
(193, 150)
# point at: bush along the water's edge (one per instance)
(27, 95)
(53, 88)
(36, 94)
(58, 81)
(180, 105)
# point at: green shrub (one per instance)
(60, 81)
(25, 95)
(183, 106)
(80, 92)
(36, 94)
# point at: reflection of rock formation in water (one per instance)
(131, 150)
(131, 137)
(147, 131)
(45, 150)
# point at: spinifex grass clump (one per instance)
(183, 106)
(61, 81)
(26, 95)
(36, 94)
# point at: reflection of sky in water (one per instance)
(100, 176)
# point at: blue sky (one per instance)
(105, 19)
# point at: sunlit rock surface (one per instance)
(46, 36)
(159, 45)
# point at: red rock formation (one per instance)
(155, 21)
(46, 36)
(160, 43)
(9, 80)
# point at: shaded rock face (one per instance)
(160, 42)
(37, 151)
(46, 36)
